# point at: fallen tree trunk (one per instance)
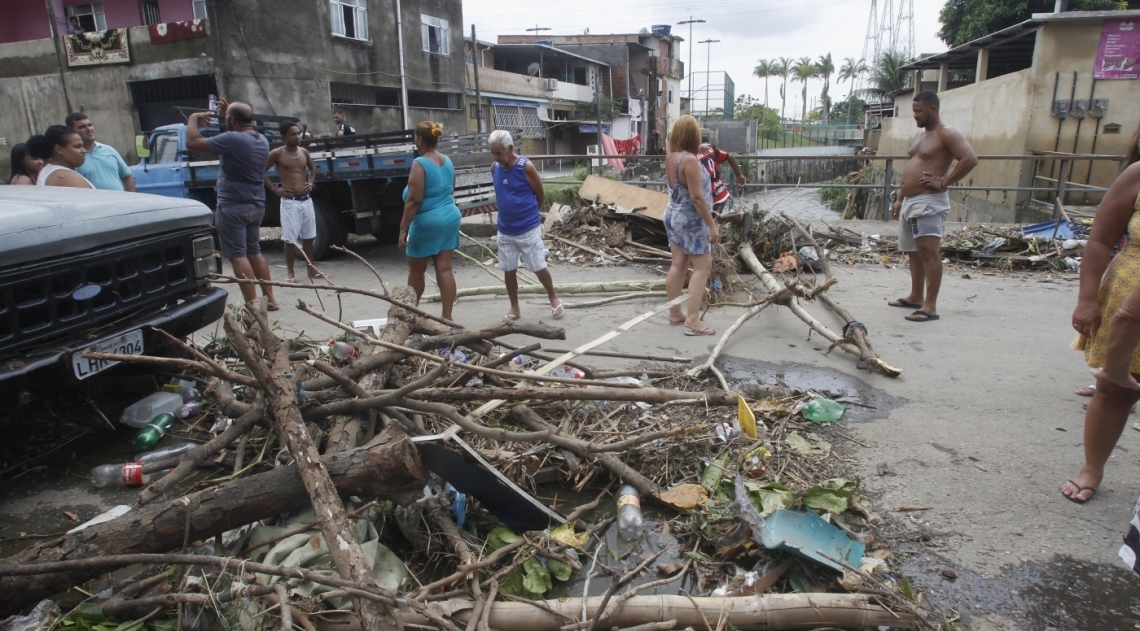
(770, 612)
(568, 288)
(647, 395)
(390, 467)
(773, 286)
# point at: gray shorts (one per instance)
(922, 216)
(527, 244)
(239, 227)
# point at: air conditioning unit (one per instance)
(551, 84)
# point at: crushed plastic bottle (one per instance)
(522, 360)
(823, 411)
(629, 519)
(187, 410)
(341, 350)
(130, 474)
(150, 435)
(140, 413)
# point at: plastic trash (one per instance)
(458, 504)
(568, 372)
(341, 350)
(522, 360)
(823, 411)
(1073, 264)
(716, 285)
(1072, 244)
(725, 432)
(188, 389)
(187, 410)
(105, 516)
(150, 435)
(808, 253)
(140, 413)
(128, 474)
(41, 618)
(629, 519)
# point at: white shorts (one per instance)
(297, 220)
(528, 244)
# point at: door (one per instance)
(161, 173)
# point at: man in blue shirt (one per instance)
(519, 196)
(104, 167)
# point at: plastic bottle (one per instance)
(341, 350)
(130, 474)
(823, 411)
(140, 413)
(152, 433)
(187, 410)
(629, 519)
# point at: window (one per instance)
(522, 121)
(358, 94)
(165, 149)
(670, 95)
(436, 36)
(90, 16)
(199, 9)
(149, 10)
(349, 18)
(434, 100)
(474, 107)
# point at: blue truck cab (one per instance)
(358, 187)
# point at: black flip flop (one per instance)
(926, 317)
(1080, 489)
(901, 302)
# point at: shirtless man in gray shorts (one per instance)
(923, 203)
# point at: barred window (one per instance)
(194, 88)
(434, 100)
(515, 118)
(358, 94)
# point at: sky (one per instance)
(748, 30)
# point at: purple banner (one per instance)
(1119, 50)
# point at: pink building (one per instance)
(26, 20)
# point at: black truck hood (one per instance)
(42, 222)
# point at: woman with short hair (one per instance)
(61, 149)
(689, 224)
(429, 229)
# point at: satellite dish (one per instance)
(533, 69)
(644, 31)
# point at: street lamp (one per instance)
(708, 72)
(690, 22)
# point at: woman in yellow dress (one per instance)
(1099, 303)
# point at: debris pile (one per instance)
(425, 475)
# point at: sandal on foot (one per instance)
(291, 279)
(677, 323)
(556, 311)
(1087, 391)
(695, 333)
(510, 317)
(902, 302)
(1080, 489)
(922, 316)
(272, 307)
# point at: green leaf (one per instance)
(906, 589)
(699, 556)
(559, 570)
(536, 578)
(799, 580)
(832, 495)
(88, 611)
(772, 497)
(512, 583)
(812, 445)
(163, 625)
(565, 534)
(710, 479)
(500, 537)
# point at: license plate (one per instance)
(125, 344)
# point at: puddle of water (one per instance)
(1061, 594)
(864, 402)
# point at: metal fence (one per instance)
(1056, 192)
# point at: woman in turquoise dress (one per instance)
(429, 229)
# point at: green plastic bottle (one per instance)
(149, 436)
(823, 411)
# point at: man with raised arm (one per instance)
(923, 203)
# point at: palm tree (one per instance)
(802, 72)
(781, 68)
(764, 69)
(850, 71)
(888, 76)
(826, 67)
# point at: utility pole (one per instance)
(708, 72)
(689, 70)
(475, 59)
(536, 30)
(55, 37)
(598, 101)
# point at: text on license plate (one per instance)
(125, 344)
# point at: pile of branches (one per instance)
(430, 379)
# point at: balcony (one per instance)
(572, 92)
(491, 80)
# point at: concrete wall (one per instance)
(994, 117)
(1068, 48)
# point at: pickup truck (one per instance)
(360, 179)
(88, 270)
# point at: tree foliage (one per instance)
(966, 20)
(887, 75)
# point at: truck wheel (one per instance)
(343, 229)
(328, 229)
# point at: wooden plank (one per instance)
(651, 203)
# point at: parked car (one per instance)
(97, 270)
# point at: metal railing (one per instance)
(1058, 190)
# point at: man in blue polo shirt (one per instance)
(104, 167)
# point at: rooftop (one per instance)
(527, 52)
